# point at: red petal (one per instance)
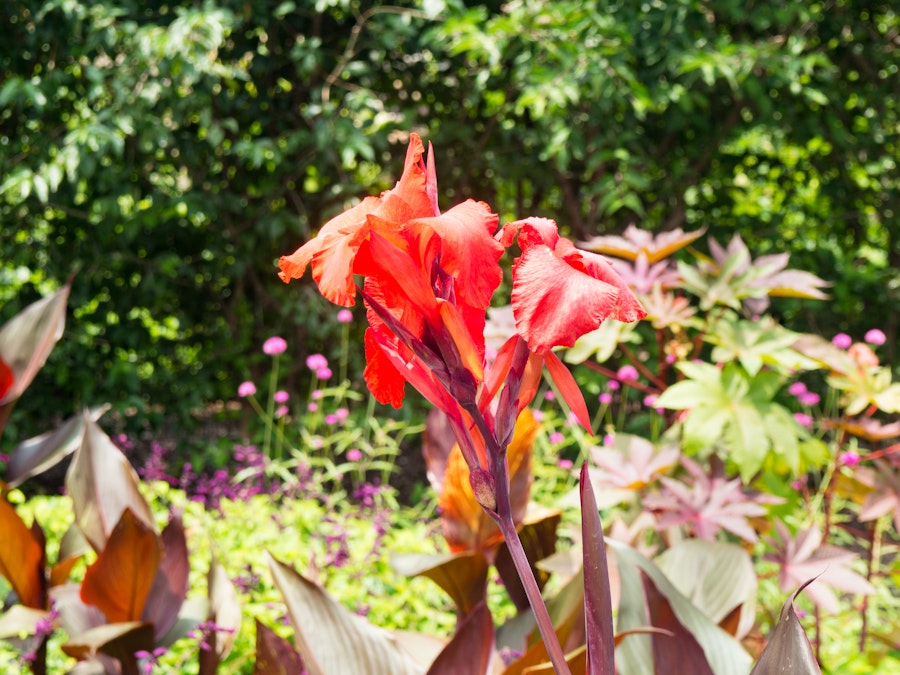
(555, 304)
(628, 307)
(6, 378)
(537, 231)
(569, 389)
(382, 377)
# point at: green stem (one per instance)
(270, 409)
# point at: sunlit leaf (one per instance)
(332, 639)
(21, 558)
(102, 484)
(462, 575)
(171, 583)
(119, 581)
(36, 455)
(471, 647)
(634, 241)
(118, 640)
(274, 654)
(224, 611)
(716, 577)
(20, 620)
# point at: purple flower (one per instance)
(803, 420)
(246, 389)
(875, 337)
(323, 373)
(809, 398)
(842, 340)
(345, 316)
(274, 345)
(354, 455)
(797, 389)
(627, 374)
(605, 398)
(331, 419)
(849, 458)
(316, 362)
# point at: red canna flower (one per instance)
(7, 379)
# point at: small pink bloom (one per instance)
(354, 455)
(274, 345)
(312, 407)
(317, 394)
(842, 340)
(316, 442)
(281, 411)
(649, 400)
(556, 438)
(345, 316)
(316, 362)
(612, 385)
(849, 458)
(627, 374)
(797, 485)
(605, 398)
(797, 389)
(246, 389)
(803, 420)
(331, 419)
(323, 373)
(550, 396)
(670, 358)
(281, 397)
(809, 398)
(341, 414)
(538, 416)
(875, 337)
(565, 464)
(608, 440)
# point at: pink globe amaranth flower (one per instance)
(797, 389)
(317, 394)
(565, 464)
(875, 337)
(849, 458)
(809, 398)
(354, 455)
(613, 385)
(281, 411)
(331, 419)
(842, 340)
(608, 440)
(627, 374)
(345, 316)
(649, 400)
(281, 397)
(538, 415)
(323, 373)
(803, 419)
(605, 398)
(341, 414)
(550, 396)
(246, 389)
(316, 362)
(312, 407)
(556, 437)
(274, 345)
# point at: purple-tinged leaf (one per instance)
(725, 655)
(102, 484)
(21, 558)
(463, 575)
(119, 581)
(597, 602)
(75, 617)
(716, 577)
(788, 649)
(332, 639)
(171, 583)
(274, 654)
(36, 455)
(470, 649)
(27, 339)
(118, 640)
(72, 547)
(680, 647)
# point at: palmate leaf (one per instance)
(755, 343)
(729, 405)
(635, 241)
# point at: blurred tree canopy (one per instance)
(170, 151)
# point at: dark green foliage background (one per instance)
(170, 152)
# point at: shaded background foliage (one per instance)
(170, 151)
